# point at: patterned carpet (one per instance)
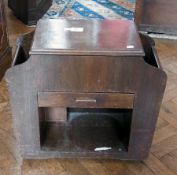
(97, 9)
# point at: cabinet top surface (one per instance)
(86, 37)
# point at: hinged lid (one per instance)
(86, 37)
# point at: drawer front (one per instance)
(85, 100)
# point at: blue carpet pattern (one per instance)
(97, 9)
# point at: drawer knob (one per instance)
(88, 100)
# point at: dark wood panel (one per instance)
(137, 75)
(90, 100)
(157, 16)
(5, 51)
(5, 62)
(54, 114)
(3, 32)
(29, 11)
(111, 37)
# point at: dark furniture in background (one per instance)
(5, 50)
(29, 11)
(157, 16)
(86, 90)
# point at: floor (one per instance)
(162, 159)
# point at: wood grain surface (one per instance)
(86, 37)
(157, 16)
(126, 73)
(91, 100)
(5, 50)
(165, 135)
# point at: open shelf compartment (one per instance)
(86, 130)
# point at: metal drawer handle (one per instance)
(86, 100)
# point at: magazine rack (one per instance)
(85, 89)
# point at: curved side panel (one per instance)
(146, 110)
(85, 74)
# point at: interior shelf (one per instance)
(88, 130)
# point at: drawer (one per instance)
(85, 100)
